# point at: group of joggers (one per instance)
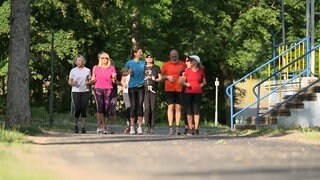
(183, 83)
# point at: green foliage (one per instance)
(39, 114)
(252, 38)
(10, 135)
(231, 38)
(4, 67)
(4, 17)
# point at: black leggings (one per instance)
(136, 96)
(150, 102)
(193, 103)
(80, 103)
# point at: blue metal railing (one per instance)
(303, 73)
(230, 88)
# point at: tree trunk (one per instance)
(18, 105)
(226, 80)
(135, 28)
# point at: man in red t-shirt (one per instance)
(170, 73)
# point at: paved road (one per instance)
(160, 156)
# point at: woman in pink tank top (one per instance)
(103, 75)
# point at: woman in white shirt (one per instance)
(79, 79)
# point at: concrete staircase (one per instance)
(301, 111)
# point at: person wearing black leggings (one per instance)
(193, 79)
(79, 79)
(151, 79)
(136, 66)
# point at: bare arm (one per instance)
(157, 79)
(204, 82)
(71, 82)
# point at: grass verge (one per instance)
(14, 158)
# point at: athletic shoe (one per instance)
(196, 132)
(139, 129)
(146, 130)
(151, 131)
(126, 130)
(83, 130)
(190, 132)
(177, 131)
(185, 131)
(99, 130)
(132, 130)
(105, 131)
(76, 129)
(171, 132)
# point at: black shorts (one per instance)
(173, 98)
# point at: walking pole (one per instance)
(216, 83)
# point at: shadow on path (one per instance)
(69, 139)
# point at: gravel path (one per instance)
(119, 156)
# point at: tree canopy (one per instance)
(231, 38)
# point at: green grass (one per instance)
(308, 134)
(262, 132)
(11, 167)
(12, 146)
(11, 135)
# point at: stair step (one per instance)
(251, 126)
(265, 120)
(302, 97)
(316, 88)
(270, 119)
(290, 105)
(281, 112)
(262, 122)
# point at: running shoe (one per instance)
(151, 131)
(185, 131)
(139, 129)
(196, 132)
(126, 130)
(83, 130)
(190, 132)
(177, 131)
(171, 132)
(99, 130)
(146, 130)
(105, 131)
(76, 129)
(132, 130)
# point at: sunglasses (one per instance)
(189, 60)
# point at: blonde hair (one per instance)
(107, 55)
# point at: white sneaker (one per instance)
(105, 131)
(140, 130)
(132, 130)
(99, 130)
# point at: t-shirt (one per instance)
(172, 69)
(81, 76)
(137, 74)
(195, 79)
(149, 72)
(103, 77)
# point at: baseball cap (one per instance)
(195, 57)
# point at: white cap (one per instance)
(195, 57)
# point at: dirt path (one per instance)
(160, 156)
